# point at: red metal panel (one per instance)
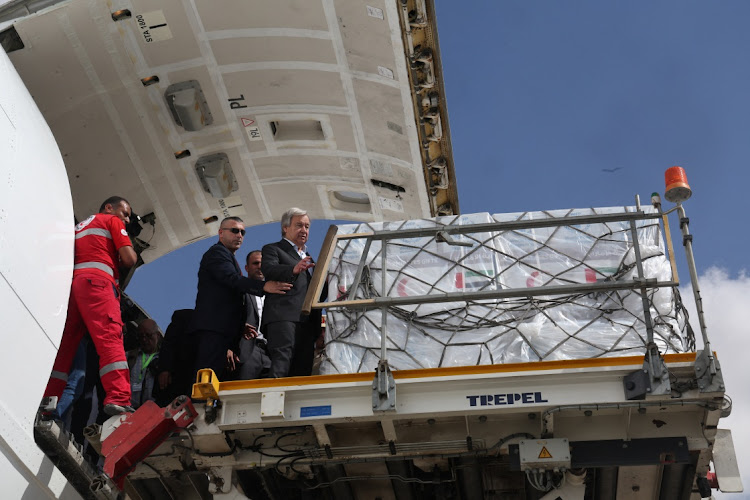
(141, 432)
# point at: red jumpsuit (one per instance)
(94, 306)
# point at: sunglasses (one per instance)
(235, 230)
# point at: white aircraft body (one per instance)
(36, 267)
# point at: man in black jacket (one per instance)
(176, 358)
(291, 335)
(252, 347)
(219, 314)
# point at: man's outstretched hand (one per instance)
(232, 360)
(303, 265)
(278, 287)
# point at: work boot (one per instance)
(112, 409)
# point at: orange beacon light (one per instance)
(678, 189)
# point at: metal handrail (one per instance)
(379, 302)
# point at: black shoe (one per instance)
(113, 409)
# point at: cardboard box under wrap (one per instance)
(509, 330)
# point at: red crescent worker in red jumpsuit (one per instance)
(101, 246)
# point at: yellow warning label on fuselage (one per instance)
(544, 453)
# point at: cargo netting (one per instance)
(468, 331)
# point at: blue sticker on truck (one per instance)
(509, 398)
(314, 411)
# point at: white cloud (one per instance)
(726, 306)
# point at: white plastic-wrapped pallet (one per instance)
(507, 330)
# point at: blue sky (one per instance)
(544, 95)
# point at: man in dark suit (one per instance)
(219, 314)
(176, 358)
(253, 355)
(291, 335)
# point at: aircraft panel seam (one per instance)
(20, 299)
(127, 142)
(191, 11)
(351, 100)
(148, 126)
(267, 32)
(177, 140)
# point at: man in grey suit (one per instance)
(291, 335)
(252, 349)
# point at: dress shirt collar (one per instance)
(259, 301)
(302, 252)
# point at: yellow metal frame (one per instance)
(207, 385)
(200, 388)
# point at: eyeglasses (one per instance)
(235, 230)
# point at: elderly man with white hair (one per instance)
(290, 334)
